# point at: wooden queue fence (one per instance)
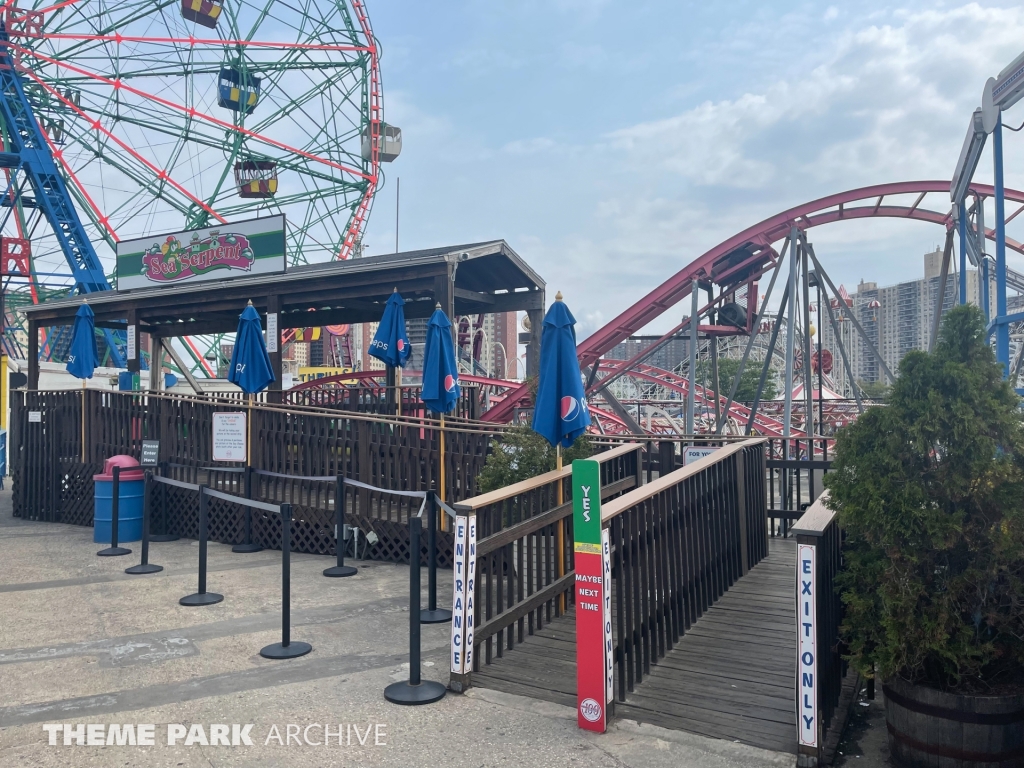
(52, 469)
(678, 542)
(524, 576)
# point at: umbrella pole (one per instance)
(83, 421)
(561, 526)
(248, 437)
(442, 486)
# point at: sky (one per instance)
(612, 143)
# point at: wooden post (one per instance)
(741, 509)
(133, 361)
(808, 711)
(464, 587)
(156, 357)
(561, 526)
(391, 394)
(362, 473)
(533, 348)
(449, 302)
(444, 294)
(273, 331)
(33, 354)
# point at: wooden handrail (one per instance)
(452, 424)
(816, 520)
(639, 495)
(523, 486)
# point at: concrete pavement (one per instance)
(82, 643)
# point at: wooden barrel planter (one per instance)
(932, 729)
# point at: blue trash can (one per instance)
(131, 488)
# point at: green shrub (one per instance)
(930, 492)
(522, 454)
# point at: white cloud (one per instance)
(606, 206)
(890, 103)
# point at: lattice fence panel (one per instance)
(77, 492)
(226, 521)
(182, 512)
(393, 542)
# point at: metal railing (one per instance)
(796, 470)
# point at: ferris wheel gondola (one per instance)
(169, 116)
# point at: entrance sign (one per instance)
(593, 606)
(464, 584)
(229, 437)
(806, 637)
(252, 247)
(150, 453)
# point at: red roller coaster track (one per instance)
(865, 202)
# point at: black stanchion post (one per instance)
(145, 566)
(433, 614)
(340, 569)
(166, 535)
(113, 550)
(202, 597)
(414, 690)
(286, 649)
(248, 545)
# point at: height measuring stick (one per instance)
(593, 599)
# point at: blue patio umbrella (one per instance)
(391, 342)
(560, 412)
(440, 371)
(250, 364)
(82, 360)
(440, 390)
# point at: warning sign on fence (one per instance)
(229, 437)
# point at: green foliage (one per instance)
(523, 454)
(727, 369)
(747, 389)
(874, 390)
(930, 492)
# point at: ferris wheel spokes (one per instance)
(98, 126)
(192, 112)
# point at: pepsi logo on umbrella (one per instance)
(440, 391)
(570, 407)
(560, 411)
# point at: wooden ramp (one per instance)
(731, 676)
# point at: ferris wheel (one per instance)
(164, 115)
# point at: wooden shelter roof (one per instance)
(466, 279)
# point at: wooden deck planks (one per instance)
(731, 676)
